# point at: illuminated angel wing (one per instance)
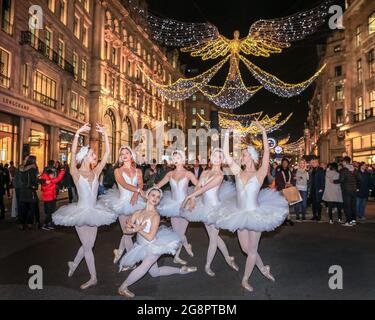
(284, 141)
(272, 36)
(213, 49)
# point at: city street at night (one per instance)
(299, 256)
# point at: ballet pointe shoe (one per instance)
(178, 260)
(232, 264)
(189, 250)
(72, 267)
(117, 253)
(267, 273)
(186, 269)
(126, 293)
(209, 271)
(92, 282)
(246, 286)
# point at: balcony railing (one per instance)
(28, 38)
(43, 99)
(369, 113)
(4, 81)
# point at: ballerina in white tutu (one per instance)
(210, 186)
(152, 242)
(256, 211)
(86, 215)
(125, 200)
(170, 205)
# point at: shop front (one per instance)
(9, 138)
(364, 148)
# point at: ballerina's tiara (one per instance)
(181, 153)
(253, 153)
(83, 152)
(129, 149)
(152, 189)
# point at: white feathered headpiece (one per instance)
(180, 153)
(124, 147)
(253, 153)
(156, 189)
(83, 152)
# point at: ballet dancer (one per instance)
(152, 242)
(205, 211)
(170, 205)
(256, 211)
(87, 214)
(125, 201)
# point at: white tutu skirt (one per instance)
(72, 215)
(271, 213)
(208, 213)
(112, 200)
(166, 242)
(169, 207)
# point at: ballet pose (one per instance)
(170, 205)
(256, 211)
(87, 214)
(125, 201)
(205, 211)
(152, 242)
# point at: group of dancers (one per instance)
(243, 208)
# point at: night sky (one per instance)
(293, 65)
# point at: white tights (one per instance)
(249, 241)
(126, 242)
(215, 242)
(150, 265)
(87, 235)
(179, 225)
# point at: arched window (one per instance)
(108, 18)
(131, 42)
(124, 35)
(127, 133)
(116, 25)
(139, 49)
(110, 126)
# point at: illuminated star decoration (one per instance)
(266, 37)
(243, 124)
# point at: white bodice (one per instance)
(147, 229)
(87, 192)
(126, 194)
(247, 195)
(179, 189)
(211, 197)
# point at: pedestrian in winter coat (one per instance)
(332, 192)
(364, 184)
(49, 195)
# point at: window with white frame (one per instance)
(4, 68)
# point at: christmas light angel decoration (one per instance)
(265, 37)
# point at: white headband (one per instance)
(83, 152)
(253, 153)
(124, 147)
(181, 153)
(156, 189)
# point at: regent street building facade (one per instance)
(81, 66)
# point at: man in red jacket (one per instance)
(49, 195)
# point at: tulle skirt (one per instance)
(166, 242)
(206, 212)
(121, 206)
(271, 213)
(74, 215)
(169, 207)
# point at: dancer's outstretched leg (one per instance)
(243, 236)
(126, 242)
(252, 250)
(156, 271)
(87, 235)
(77, 260)
(179, 225)
(212, 247)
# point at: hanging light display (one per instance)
(266, 37)
(283, 147)
(248, 128)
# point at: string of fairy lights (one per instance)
(203, 40)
